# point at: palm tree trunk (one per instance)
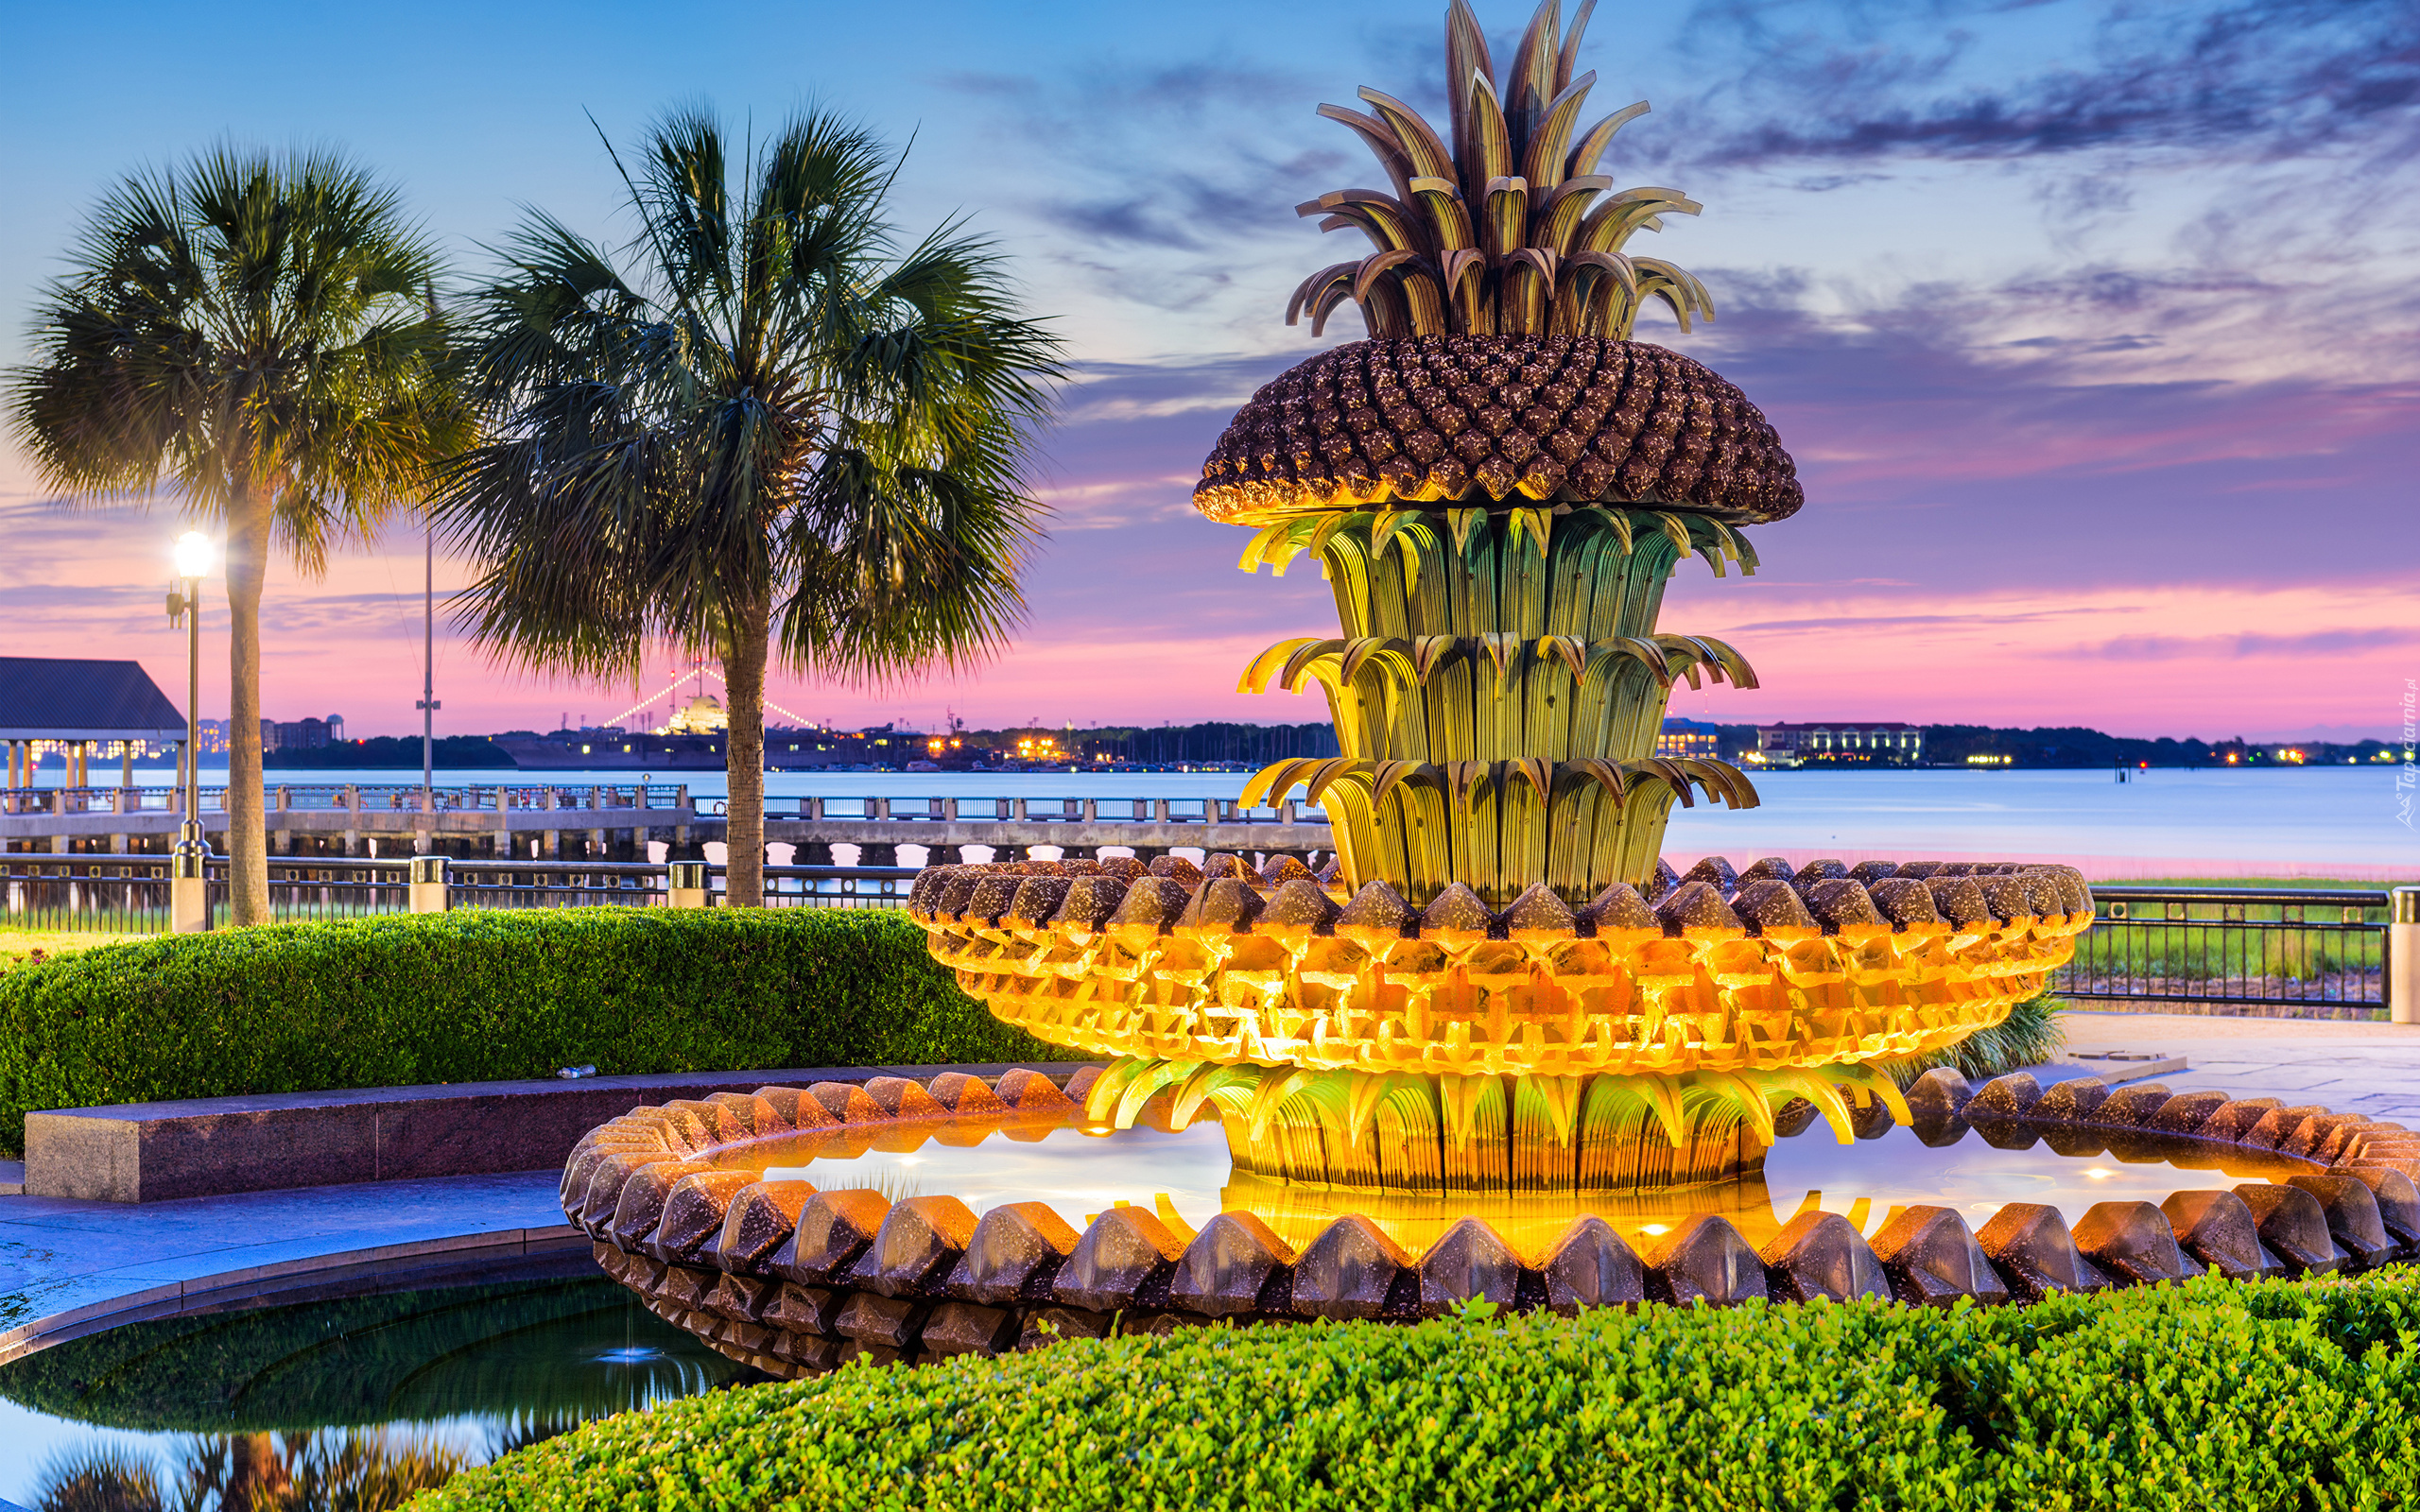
(247, 525)
(744, 678)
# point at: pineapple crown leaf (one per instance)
(1507, 228)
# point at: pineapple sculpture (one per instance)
(1499, 986)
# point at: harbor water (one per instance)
(2350, 823)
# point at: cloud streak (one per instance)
(2258, 80)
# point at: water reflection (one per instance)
(351, 1403)
(353, 1470)
(1081, 1169)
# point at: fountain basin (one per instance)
(798, 1228)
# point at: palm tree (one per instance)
(773, 430)
(256, 334)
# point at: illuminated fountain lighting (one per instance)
(1498, 1042)
(1497, 985)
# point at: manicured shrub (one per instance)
(2209, 1395)
(483, 996)
(2028, 1036)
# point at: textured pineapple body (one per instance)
(1499, 420)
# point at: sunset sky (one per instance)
(2091, 325)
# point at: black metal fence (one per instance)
(2224, 950)
(129, 894)
(2302, 952)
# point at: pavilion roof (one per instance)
(70, 699)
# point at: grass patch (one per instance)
(2331, 883)
(24, 947)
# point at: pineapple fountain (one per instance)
(1497, 985)
(1496, 1024)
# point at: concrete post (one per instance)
(878, 808)
(1092, 810)
(427, 888)
(2403, 955)
(504, 824)
(949, 810)
(688, 889)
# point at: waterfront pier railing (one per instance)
(2317, 952)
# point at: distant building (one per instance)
(1840, 743)
(1688, 737)
(302, 734)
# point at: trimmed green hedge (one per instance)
(483, 996)
(2205, 1396)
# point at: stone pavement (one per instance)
(61, 1260)
(2349, 1067)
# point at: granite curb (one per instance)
(217, 1146)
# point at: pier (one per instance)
(583, 822)
(607, 821)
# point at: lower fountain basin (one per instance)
(960, 1218)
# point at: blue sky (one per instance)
(2090, 324)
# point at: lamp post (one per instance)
(188, 880)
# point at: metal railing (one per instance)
(2304, 951)
(2314, 951)
(570, 885)
(525, 798)
(129, 894)
(355, 798)
(1028, 809)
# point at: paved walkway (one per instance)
(2352, 1068)
(60, 1257)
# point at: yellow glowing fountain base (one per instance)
(1619, 1046)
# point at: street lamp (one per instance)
(188, 881)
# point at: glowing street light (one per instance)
(188, 878)
(194, 555)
